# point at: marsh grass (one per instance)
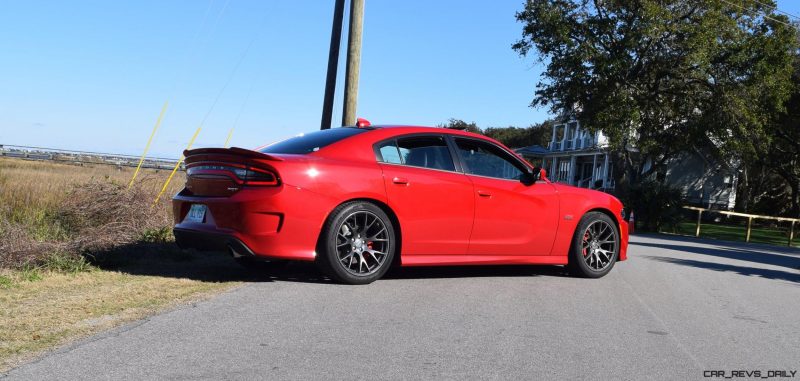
(52, 210)
(81, 253)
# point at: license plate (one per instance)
(197, 213)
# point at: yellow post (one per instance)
(791, 234)
(150, 140)
(228, 139)
(177, 165)
(749, 225)
(697, 231)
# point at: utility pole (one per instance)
(333, 64)
(353, 62)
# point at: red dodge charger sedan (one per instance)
(357, 200)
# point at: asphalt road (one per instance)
(677, 307)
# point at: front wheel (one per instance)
(595, 246)
(357, 243)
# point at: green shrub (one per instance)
(157, 235)
(6, 282)
(30, 273)
(65, 263)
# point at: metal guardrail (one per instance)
(83, 157)
(750, 218)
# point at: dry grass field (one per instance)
(81, 253)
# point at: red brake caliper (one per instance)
(585, 241)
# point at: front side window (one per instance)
(420, 151)
(485, 159)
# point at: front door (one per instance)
(511, 218)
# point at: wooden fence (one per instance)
(750, 218)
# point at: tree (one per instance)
(783, 152)
(513, 137)
(662, 76)
(459, 124)
(518, 137)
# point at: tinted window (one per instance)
(484, 159)
(312, 141)
(423, 151)
(427, 151)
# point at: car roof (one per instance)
(409, 129)
(353, 146)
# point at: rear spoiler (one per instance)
(241, 152)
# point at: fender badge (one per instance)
(233, 189)
(567, 216)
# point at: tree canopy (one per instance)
(662, 76)
(512, 137)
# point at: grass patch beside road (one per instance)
(738, 233)
(81, 253)
(60, 307)
(42, 308)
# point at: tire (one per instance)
(357, 243)
(595, 246)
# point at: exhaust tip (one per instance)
(234, 253)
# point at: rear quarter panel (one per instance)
(332, 181)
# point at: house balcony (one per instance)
(573, 144)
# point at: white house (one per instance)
(579, 157)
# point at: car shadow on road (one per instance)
(723, 267)
(789, 259)
(773, 256)
(475, 271)
(167, 260)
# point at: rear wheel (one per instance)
(357, 243)
(595, 246)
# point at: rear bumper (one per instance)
(271, 223)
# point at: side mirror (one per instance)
(529, 178)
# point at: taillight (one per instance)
(258, 176)
(245, 175)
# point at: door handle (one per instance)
(400, 180)
(483, 193)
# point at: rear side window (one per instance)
(390, 153)
(312, 141)
(422, 151)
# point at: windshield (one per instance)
(312, 141)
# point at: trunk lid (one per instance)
(221, 172)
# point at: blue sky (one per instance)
(93, 75)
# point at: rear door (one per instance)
(511, 218)
(434, 202)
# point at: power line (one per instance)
(213, 104)
(192, 45)
(241, 110)
(763, 15)
(775, 8)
